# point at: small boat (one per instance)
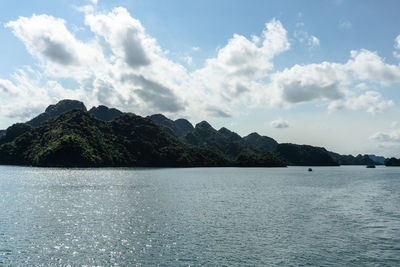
(371, 166)
(309, 169)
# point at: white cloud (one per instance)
(394, 124)
(370, 101)
(313, 41)
(123, 66)
(397, 42)
(196, 48)
(367, 65)
(280, 123)
(304, 37)
(231, 77)
(333, 82)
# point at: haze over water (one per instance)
(344, 216)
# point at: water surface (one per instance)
(333, 216)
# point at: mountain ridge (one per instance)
(251, 150)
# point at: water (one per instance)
(339, 216)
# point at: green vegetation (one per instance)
(305, 155)
(56, 110)
(392, 162)
(104, 113)
(178, 128)
(77, 139)
(68, 135)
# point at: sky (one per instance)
(324, 73)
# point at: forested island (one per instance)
(69, 135)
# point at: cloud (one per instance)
(367, 65)
(47, 38)
(154, 94)
(280, 123)
(125, 36)
(123, 66)
(196, 48)
(397, 42)
(332, 82)
(239, 65)
(370, 101)
(313, 41)
(304, 37)
(218, 113)
(389, 137)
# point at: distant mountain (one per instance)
(392, 162)
(263, 143)
(351, 160)
(379, 160)
(153, 141)
(178, 128)
(56, 110)
(223, 141)
(104, 113)
(304, 155)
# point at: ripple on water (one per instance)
(208, 216)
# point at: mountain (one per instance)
(224, 142)
(379, 160)
(304, 155)
(68, 135)
(351, 160)
(392, 162)
(104, 113)
(78, 139)
(263, 143)
(55, 110)
(178, 128)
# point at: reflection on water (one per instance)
(205, 216)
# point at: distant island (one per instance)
(68, 135)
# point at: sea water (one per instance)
(332, 216)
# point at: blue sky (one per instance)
(324, 73)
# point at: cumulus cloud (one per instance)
(370, 101)
(123, 66)
(280, 123)
(48, 39)
(333, 82)
(367, 65)
(154, 94)
(125, 35)
(240, 63)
